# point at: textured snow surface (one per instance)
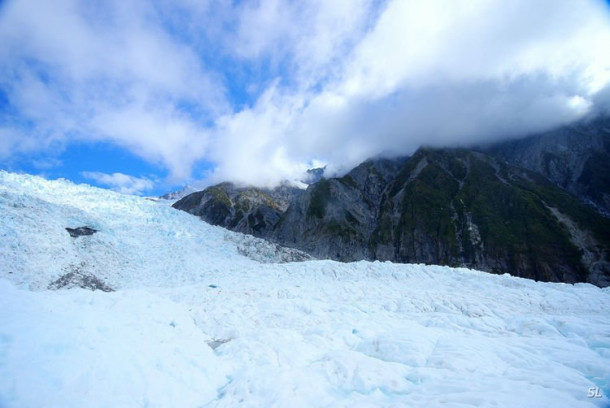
(192, 322)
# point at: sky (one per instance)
(143, 96)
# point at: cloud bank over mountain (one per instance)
(261, 90)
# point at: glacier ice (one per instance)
(194, 322)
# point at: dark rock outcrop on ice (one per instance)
(81, 231)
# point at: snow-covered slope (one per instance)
(193, 322)
(139, 241)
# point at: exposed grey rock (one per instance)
(249, 210)
(594, 255)
(81, 231)
(335, 217)
(214, 344)
(314, 175)
(575, 158)
(77, 277)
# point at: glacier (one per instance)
(200, 316)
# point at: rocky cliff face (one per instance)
(452, 207)
(248, 210)
(334, 218)
(457, 207)
(575, 158)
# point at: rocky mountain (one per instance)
(249, 210)
(335, 217)
(314, 175)
(575, 158)
(453, 207)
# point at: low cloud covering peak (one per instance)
(256, 92)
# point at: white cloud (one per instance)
(309, 37)
(263, 88)
(120, 182)
(13, 143)
(77, 70)
(46, 163)
(601, 100)
(419, 43)
(435, 73)
(160, 134)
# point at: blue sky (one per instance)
(143, 96)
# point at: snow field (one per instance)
(375, 334)
(194, 323)
(139, 241)
(95, 349)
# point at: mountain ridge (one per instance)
(574, 157)
(451, 206)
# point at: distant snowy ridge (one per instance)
(178, 194)
(192, 322)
